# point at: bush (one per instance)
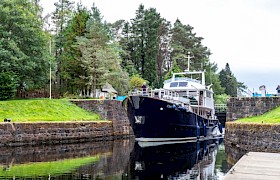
(136, 82)
(221, 98)
(8, 85)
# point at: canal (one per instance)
(119, 159)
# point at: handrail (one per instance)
(220, 107)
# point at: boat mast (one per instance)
(187, 71)
(189, 59)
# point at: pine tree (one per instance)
(174, 69)
(213, 78)
(61, 16)
(228, 81)
(184, 40)
(121, 33)
(100, 58)
(70, 64)
(138, 39)
(147, 33)
(164, 51)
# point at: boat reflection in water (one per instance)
(119, 159)
(180, 160)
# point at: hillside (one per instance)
(34, 110)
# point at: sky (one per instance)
(243, 33)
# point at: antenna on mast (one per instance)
(189, 59)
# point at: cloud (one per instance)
(243, 33)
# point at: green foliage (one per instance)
(125, 43)
(116, 76)
(61, 16)
(272, 116)
(100, 57)
(174, 69)
(142, 42)
(213, 78)
(184, 40)
(23, 43)
(136, 82)
(228, 81)
(8, 85)
(37, 170)
(221, 98)
(241, 87)
(93, 47)
(71, 69)
(35, 110)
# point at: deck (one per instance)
(256, 165)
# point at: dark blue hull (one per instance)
(157, 119)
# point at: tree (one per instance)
(164, 51)
(213, 78)
(184, 41)
(23, 44)
(174, 69)
(228, 81)
(147, 40)
(136, 82)
(8, 85)
(70, 65)
(116, 76)
(137, 39)
(221, 98)
(61, 16)
(100, 58)
(121, 33)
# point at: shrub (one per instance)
(136, 82)
(8, 85)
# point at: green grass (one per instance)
(35, 110)
(44, 169)
(269, 117)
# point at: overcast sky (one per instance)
(243, 33)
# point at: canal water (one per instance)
(119, 159)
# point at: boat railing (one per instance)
(165, 94)
(170, 95)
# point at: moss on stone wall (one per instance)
(253, 136)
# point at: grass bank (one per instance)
(35, 110)
(269, 117)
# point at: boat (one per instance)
(182, 110)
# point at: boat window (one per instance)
(183, 84)
(193, 93)
(174, 84)
(208, 94)
(182, 93)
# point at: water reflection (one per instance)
(119, 159)
(188, 160)
(71, 161)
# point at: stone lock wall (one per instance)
(111, 110)
(253, 136)
(247, 107)
(118, 126)
(16, 134)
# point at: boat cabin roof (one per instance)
(185, 84)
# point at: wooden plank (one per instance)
(256, 165)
